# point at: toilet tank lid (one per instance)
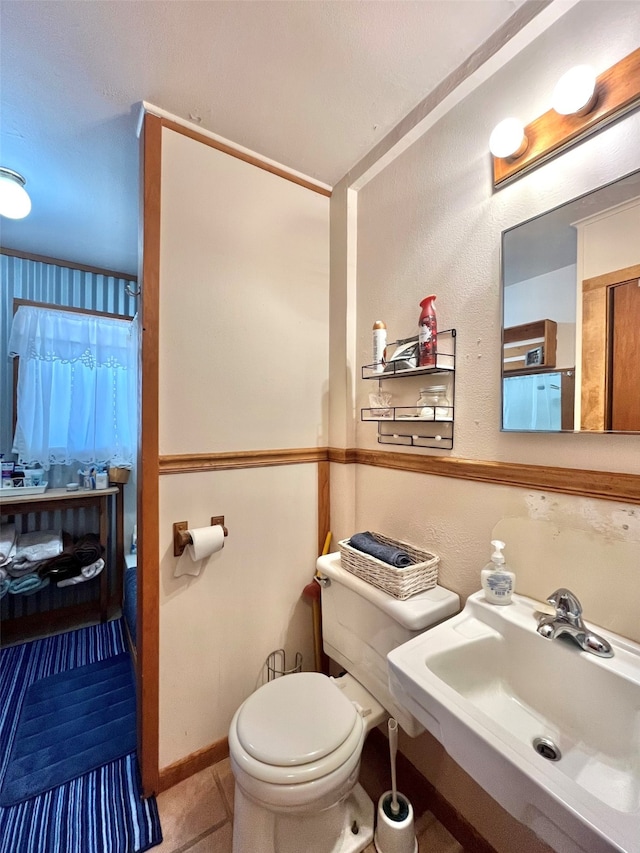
(415, 614)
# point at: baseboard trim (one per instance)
(425, 797)
(192, 764)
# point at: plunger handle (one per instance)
(393, 749)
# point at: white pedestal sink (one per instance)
(486, 685)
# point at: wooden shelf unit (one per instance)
(13, 504)
(518, 341)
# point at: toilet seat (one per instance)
(296, 729)
(293, 721)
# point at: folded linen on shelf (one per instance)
(27, 585)
(3, 574)
(87, 573)
(37, 546)
(6, 563)
(4, 587)
(22, 569)
(368, 544)
(7, 542)
(85, 551)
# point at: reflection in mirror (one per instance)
(571, 315)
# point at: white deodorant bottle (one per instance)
(379, 345)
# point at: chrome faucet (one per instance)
(568, 620)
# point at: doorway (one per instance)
(624, 403)
(610, 303)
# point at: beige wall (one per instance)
(430, 222)
(244, 314)
(610, 241)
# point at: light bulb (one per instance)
(14, 199)
(575, 91)
(508, 139)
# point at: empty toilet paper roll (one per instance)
(206, 541)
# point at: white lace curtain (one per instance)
(77, 387)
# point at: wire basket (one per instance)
(400, 583)
(276, 664)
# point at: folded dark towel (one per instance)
(62, 563)
(368, 544)
(61, 573)
(88, 549)
(69, 563)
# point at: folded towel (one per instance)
(19, 570)
(87, 573)
(27, 585)
(87, 549)
(36, 546)
(368, 544)
(64, 565)
(4, 587)
(61, 572)
(7, 541)
(9, 559)
(68, 564)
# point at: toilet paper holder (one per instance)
(182, 537)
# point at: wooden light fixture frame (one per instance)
(617, 93)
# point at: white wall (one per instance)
(552, 296)
(430, 222)
(610, 241)
(244, 313)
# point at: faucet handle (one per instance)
(567, 605)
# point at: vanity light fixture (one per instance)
(575, 92)
(583, 103)
(508, 139)
(14, 199)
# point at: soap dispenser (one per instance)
(497, 580)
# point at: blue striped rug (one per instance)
(100, 812)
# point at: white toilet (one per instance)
(295, 744)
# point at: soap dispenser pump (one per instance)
(497, 580)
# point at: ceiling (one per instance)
(312, 84)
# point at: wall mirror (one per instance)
(571, 315)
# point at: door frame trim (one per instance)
(148, 604)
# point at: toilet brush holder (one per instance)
(395, 833)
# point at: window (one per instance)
(77, 397)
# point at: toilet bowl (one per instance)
(295, 747)
(295, 744)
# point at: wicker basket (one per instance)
(400, 583)
(119, 475)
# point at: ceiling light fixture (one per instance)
(582, 105)
(508, 139)
(575, 92)
(14, 199)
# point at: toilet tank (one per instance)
(361, 624)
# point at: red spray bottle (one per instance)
(427, 333)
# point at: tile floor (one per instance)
(197, 814)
